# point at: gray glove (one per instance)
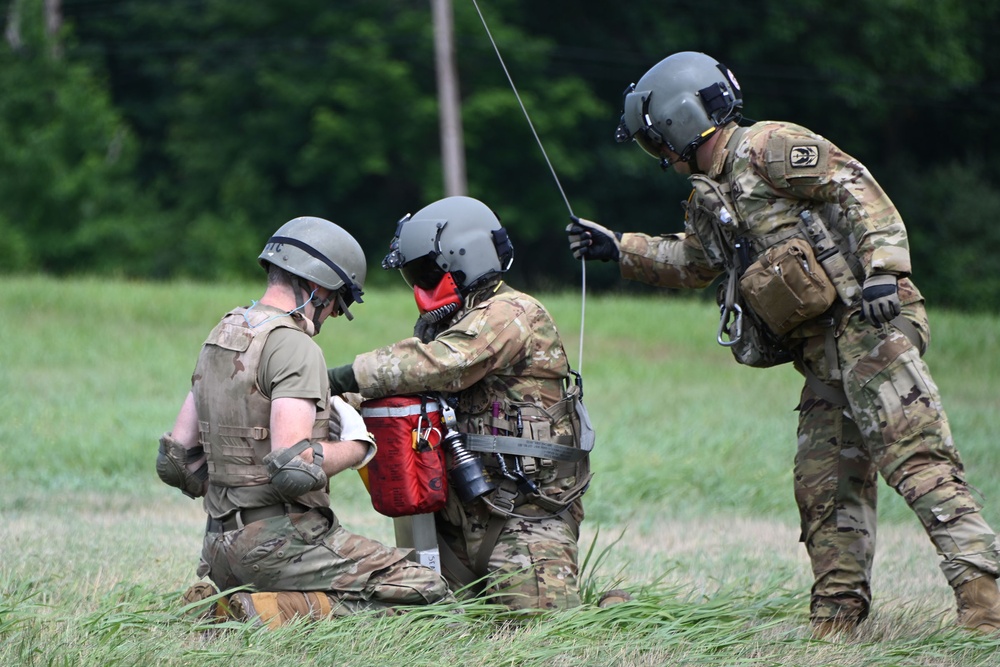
(880, 299)
(289, 472)
(589, 240)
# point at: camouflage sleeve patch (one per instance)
(788, 162)
(793, 158)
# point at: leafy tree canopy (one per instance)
(169, 138)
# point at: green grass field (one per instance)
(691, 506)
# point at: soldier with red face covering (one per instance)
(494, 355)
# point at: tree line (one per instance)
(168, 139)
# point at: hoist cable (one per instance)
(555, 177)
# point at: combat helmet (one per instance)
(678, 104)
(457, 235)
(322, 252)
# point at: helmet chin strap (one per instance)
(691, 153)
(693, 163)
(666, 163)
(342, 306)
(317, 304)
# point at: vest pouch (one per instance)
(407, 475)
(757, 346)
(786, 286)
(707, 211)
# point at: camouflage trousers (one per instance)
(534, 562)
(894, 424)
(312, 552)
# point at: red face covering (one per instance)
(445, 293)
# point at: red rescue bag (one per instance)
(407, 476)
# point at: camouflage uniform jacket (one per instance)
(775, 171)
(502, 347)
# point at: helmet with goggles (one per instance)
(322, 252)
(459, 235)
(678, 104)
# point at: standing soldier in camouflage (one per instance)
(818, 268)
(494, 354)
(259, 436)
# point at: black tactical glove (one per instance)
(589, 240)
(342, 379)
(880, 299)
(426, 330)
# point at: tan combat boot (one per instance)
(276, 608)
(217, 610)
(840, 615)
(979, 604)
(613, 597)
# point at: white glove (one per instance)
(346, 423)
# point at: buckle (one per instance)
(502, 503)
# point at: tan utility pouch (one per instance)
(786, 286)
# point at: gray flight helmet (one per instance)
(678, 104)
(460, 235)
(319, 251)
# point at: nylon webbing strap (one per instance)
(457, 569)
(835, 395)
(832, 395)
(399, 411)
(908, 329)
(505, 444)
(489, 543)
(253, 432)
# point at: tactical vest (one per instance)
(735, 232)
(486, 409)
(233, 411)
(718, 214)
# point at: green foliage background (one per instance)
(169, 139)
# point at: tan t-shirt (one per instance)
(293, 366)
